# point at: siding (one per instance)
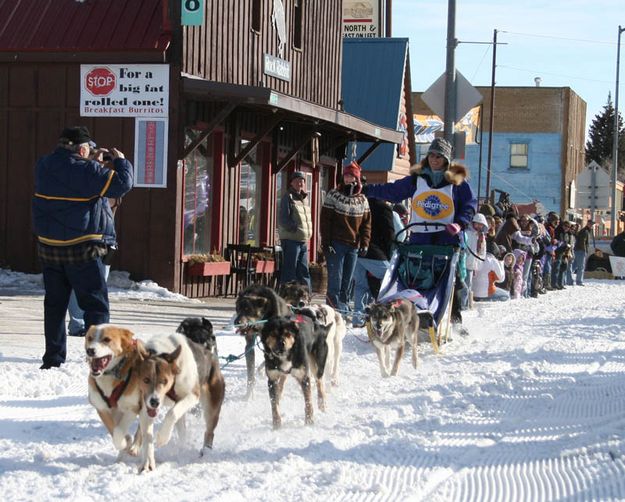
(542, 179)
(38, 101)
(226, 49)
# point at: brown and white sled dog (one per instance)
(328, 317)
(178, 372)
(390, 326)
(294, 345)
(114, 355)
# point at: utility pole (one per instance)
(450, 73)
(479, 170)
(613, 219)
(491, 118)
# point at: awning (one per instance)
(359, 129)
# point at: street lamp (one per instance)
(615, 139)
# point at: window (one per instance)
(256, 15)
(298, 19)
(250, 197)
(281, 188)
(518, 155)
(198, 196)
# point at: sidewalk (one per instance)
(21, 319)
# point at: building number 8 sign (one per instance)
(192, 12)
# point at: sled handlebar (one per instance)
(420, 224)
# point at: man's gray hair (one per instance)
(71, 147)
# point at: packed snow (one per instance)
(530, 405)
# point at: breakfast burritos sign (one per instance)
(137, 90)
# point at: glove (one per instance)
(453, 228)
(363, 252)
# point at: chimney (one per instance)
(537, 81)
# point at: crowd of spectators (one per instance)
(512, 255)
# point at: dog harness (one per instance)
(119, 389)
(171, 394)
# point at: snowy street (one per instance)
(529, 406)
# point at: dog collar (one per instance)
(119, 389)
(116, 370)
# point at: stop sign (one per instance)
(100, 81)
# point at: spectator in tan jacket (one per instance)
(345, 234)
(295, 227)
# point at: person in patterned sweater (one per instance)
(345, 233)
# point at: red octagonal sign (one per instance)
(100, 81)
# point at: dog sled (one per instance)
(425, 275)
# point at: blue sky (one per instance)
(566, 43)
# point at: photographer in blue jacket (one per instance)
(74, 226)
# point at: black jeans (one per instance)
(87, 280)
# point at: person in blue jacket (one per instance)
(73, 222)
(438, 193)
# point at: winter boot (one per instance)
(547, 282)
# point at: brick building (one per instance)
(538, 144)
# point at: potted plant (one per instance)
(264, 262)
(204, 265)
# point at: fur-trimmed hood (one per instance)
(454, 174)
(511, 255)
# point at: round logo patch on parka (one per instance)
(432, 205)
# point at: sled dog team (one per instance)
(129, 378)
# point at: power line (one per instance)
(529, 70)
(536, 35)
(516, 189)
(480, 63)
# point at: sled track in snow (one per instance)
(531, 463)
(570, 479)
(407, 475)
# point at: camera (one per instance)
(107, 157)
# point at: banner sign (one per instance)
(150, 153)
(361, 19)
(137, 90)
(192, 13)
(426, 126)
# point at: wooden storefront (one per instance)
(234, 129)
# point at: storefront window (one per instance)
(324, 183)
(281, 188)
(250, 197)
(198, 196)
